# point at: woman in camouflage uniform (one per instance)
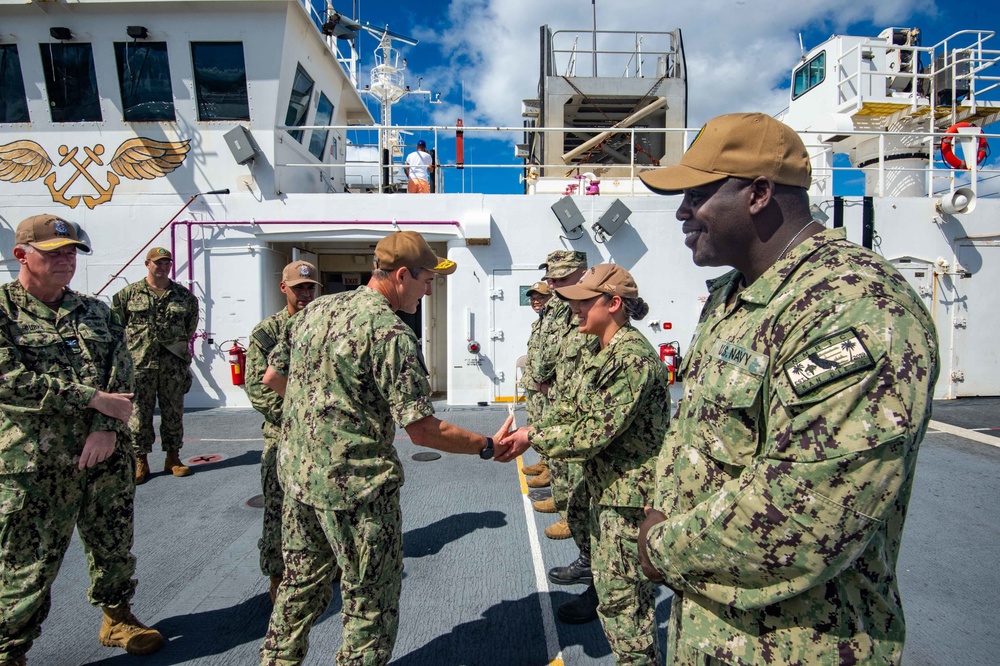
(612, 419)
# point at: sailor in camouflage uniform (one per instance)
(65, 455)
(534, 400)
(563, 351)
(351, 371)
(784, 481)
(611, 420)
(160, 319)
(299, 280)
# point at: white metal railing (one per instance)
(622, 51)
(961, 60)
(438, 137)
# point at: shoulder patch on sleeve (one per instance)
(829, 359)
(265, 341)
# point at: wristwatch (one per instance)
(487, 451)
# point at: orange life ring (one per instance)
(948, 148)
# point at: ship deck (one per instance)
(474, 588)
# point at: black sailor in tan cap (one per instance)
(351, 372)
(160, 320)
(65, 454)
(783, 483)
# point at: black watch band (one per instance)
(487, 451)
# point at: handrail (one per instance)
(444, 136)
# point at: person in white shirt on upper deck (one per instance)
(419, 166)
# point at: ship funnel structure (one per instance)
(962, 200)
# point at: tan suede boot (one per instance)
(534, 470)
(544, 506)
(141, 469)
(540, 481)
(121, 629)
(173, 464)
(558, 531)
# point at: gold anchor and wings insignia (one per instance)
(136, 159)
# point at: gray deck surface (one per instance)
(469, 592)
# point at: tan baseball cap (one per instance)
(561, 263)
(409, 249)
(299, 272)
(538, 288)
(47, 233)
(744, 145)
(610, 279)
(157, 253)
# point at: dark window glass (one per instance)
(71, 83)
(298, 102)
(809, 75)
(324, 115)
(220, 80)
(13, 103)
(144, 79)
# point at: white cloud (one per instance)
(739, 52)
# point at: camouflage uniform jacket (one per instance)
(354, 372)
(51, 365)
(563, 347)
(153, 323)
(531, 359)
(612, 418)
(787, 471)
(263, 339)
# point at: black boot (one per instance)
(581, 610)
(577, 573)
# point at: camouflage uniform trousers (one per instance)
(685, 655)
(534, 407)
(165, 385)
(626, 598)
(367, 544)
(572, 500)
(269, 544)
(38, 511)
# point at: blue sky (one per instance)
(482, 55)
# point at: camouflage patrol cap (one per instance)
(610, 279)
(157, 253)
(409, 249)
(539, 288)
(299, 272)
(561, 263)
(744, 145)
(47, 233)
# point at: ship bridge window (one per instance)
(71, 83)
(324, 116)
(809, 75)
(298, 102)
(220, 80)
(144, 79)
(13, 102)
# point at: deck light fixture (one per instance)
(137, 32)
(568, 214)
(62, 34)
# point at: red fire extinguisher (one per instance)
(670, 355)
(238, 363)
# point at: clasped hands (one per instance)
(509, 444)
